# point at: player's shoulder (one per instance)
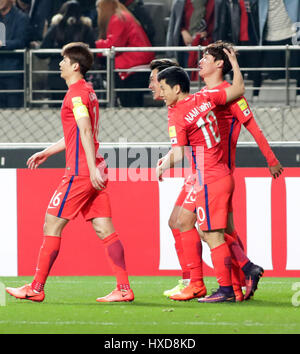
(240, 102)
(82, 93)
(205, 90)
(176, 114)
(203, 99)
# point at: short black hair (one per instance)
(80, 53)
(216, 49)
(161, 64)
(175, 75)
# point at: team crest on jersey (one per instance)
(92, 96)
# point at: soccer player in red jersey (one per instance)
(193, 124)
(212, 68)
(82, 188)
(156, 66)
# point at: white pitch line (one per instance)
(75, 323)
(118, 324)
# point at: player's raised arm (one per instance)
(237, 88)
(40, 157)
(274, 165)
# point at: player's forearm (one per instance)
(55, 148)
(261, 141)
(237, 89)
(174, 156)
(86, 137)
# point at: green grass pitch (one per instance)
(70, 308)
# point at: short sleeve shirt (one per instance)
(193, 124)
(230, 118)
(80, 101)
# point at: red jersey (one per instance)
(230, 118)
(192, 123)
(80, 101)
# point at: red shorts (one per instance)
(211, 203)
(76, 194)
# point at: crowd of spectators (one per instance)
(127, 23)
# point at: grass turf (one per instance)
(70, 307)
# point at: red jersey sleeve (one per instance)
(261, 141)
(79, 102)
(240, 110)
(177, 129)
(218, 97)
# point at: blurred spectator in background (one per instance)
(23, 5)
(41, 13)
(17, 34)
(38, 13)
(137, 8)
(253, 59)
(88, 8)
(230, 21)
(55, 7)
(119, 28)
(67, 26)
(187, 26)
(277, 19)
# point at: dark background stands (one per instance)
(17, 37)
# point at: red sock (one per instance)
(235, 273)
(48, 253)
(180, 254)
(236, 250)
(115, 254)
(221, 259)
(192, 248)
(235, 235)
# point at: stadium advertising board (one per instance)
(265, 212)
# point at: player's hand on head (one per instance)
(276, 170)
(231, 54)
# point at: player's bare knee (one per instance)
(51, 230)
(102, 233)
(183, 224)
(173, 223)
(202, 235)
(53, 226)
(103, 227)
(186, 222)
